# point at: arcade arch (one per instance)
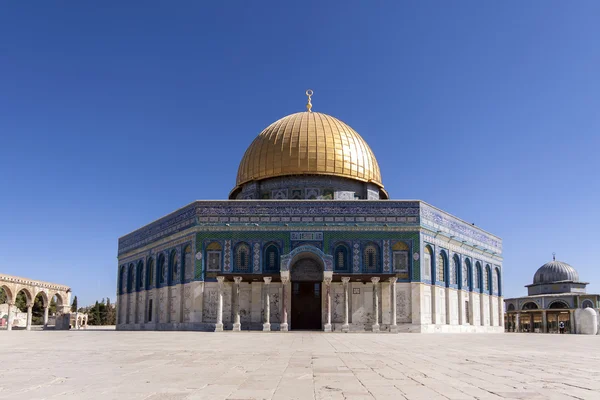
(21, 294)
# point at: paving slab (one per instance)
(296, 365)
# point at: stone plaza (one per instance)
(296, 365)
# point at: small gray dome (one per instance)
(555, 271)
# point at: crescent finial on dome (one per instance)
(309, 93)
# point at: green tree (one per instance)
(21, 301)
(74, 305)
(2, 296)
(37, 317)
(110, 313)
(52, 309)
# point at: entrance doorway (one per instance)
(306, 276)
(306, 305)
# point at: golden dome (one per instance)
(309, 143)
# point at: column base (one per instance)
(345, 328)
(9, 328)
(237, 327)
(393, 328)
(266, 327)
(375, 327)
(283, 327)
(327, 328)
(219, 328)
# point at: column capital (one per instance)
(267, 279)
(393, 279)
(375, 279)
(220, 279)
(237, 279)
(345, 279)
(285, 279)
(327, 281)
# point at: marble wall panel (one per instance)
(209, 312)
(486, 309)
(337, 302)
(187, 302)
(173, 304)
(440, 298)
(245, 303)
(403, 303)
(476, 310)
(454, 305)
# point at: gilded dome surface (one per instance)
(309, 143)
(555, 271)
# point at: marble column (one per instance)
(346, 326)
(375, 281)
(572, 321)
(46, 316)
(219, 325)
(393, 320)
(267, 305)
(237, 324)
(9, 322)
(327, 327)
(518, 322)
(284, 289)
(544, 322)
(29, 312)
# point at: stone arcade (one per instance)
(12, 285)
(309, 240)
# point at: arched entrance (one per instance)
(306, 275)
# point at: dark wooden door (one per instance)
(306, 305)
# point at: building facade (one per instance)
(309, 240)
(556, 298)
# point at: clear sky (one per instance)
(113, 114)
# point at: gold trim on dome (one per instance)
(309, 143)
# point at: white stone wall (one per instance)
(194, 306)
(453, 306)
(485, 309)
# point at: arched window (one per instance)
(587, 304)
(441, 267)
(371, 257)
(455, 268)
(340, 255)
(477, 276)
(497, 281)
(427, 263)
(130, 279)
(122, 279)
(487, 278)
(150, 273)
(530, 306)
(186, 262)
(162, 271)
(241, 256)
(466, 274)
(400, 257)
(271, 258)
(511, 307)
(140, 276)
(558, 304)
(213, 256)
(174, 265)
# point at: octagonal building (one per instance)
(309, 239)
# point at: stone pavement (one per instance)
(296, 365)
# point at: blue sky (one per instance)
(115, 114)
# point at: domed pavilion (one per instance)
(555, 296)
(309, 239)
